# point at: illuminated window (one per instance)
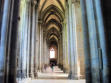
(52, 53)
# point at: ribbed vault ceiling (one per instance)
(45, 3)
(51, 13)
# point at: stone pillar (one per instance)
(96, 39)
(28, 35)
(93, 40)
(61, 53)
(33, 38)
(48, 58)
(3, 37)
(44, 48)
(19, 40)
(13, 44)
(102, 49)
(24, 42)
(58, 57)
(86, 42)
(72, 54)
(41, 47)
(63, 42)
(45, 52)
(39, 59)
(78, 40)
(68, 41)
(65, 49)
(36, 44)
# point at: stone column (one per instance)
(94, 21)
(102, 49)
(58, 57)
(48, 59)
(3, 37)
(93, 40)
(13, 48)
(41, 47)
(68, 39)
(39, 59)
(44, 48)
(19, 40)
(78, 41)
(66, 49)
(61, 53)
(29, 40)
(63, 42)
(24, 42)
(36, 44)
(86, 42)
(69, 44)
(72, 54)
(33, 38)
(28, 34)
(45, 51)
(65, 54)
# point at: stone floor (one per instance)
(57, 81)
(51, 76)
(56, 73)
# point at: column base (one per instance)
(31, 75)
(70, 75)
(65, 70)
(21, 74)
(73, 76)
(35, 75)
(1, 77)
(60, 66)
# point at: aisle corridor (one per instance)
(57, 81)
(49, 76)
(56, 73)
(55, 41)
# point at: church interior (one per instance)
(46, 41)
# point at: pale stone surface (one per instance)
(55, 76)
(56, 73)
(57, 81)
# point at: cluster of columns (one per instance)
(26, 42)
(96, 62)
(43, 53)
(73, 49)
(60, 52)
(21, 36)
(9, 18)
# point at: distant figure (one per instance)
(52, 66)
(45, 66)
